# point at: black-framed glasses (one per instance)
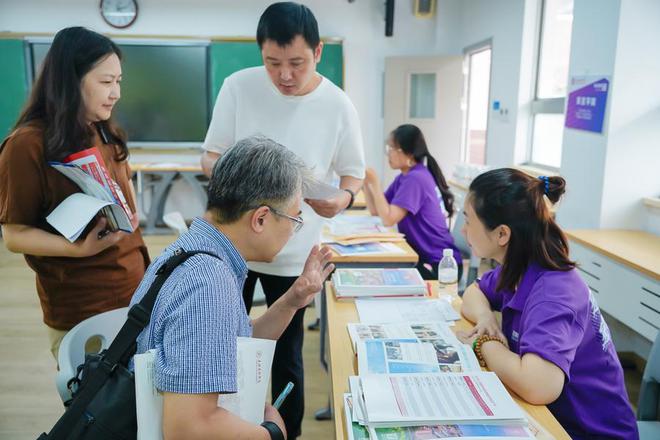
(297, 220)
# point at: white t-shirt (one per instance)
(321, 127)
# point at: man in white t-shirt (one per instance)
(289, 102)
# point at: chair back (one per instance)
(104, 326)
(648, 407)
(175, 221)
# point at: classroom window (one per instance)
(551, 79)
(422, 95)
(476, 96)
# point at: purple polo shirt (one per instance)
(425, 225)
(554, 315)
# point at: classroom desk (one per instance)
(622, 269)
(360, 201)
(408, 259)
(343, 363)
(161, 177)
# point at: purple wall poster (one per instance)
(587, 101)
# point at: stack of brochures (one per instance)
(429, 347)
(376, 283)
(432, 406)
(358, 229)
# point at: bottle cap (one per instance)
(448, 253)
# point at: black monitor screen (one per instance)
(164, 92)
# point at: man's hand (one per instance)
(272, 415)
(331, 207)
(315, 272)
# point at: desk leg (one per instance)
(196, 185)
(158, 199)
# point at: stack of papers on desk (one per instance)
(410, 348)
(425, 399)
(375, 283)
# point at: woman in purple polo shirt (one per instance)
(553, 348)
(413, 201)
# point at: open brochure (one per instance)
(410, 348)
(87, 170)
(366, 249)
(254, 357)
(405, 310)
(449, 398)
(378, 283)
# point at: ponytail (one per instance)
(411, 140)
(510, 197)
(436, 172)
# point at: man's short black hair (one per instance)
(281, 22)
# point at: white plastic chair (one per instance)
(463, 246)
(175, 221)
(104, 326)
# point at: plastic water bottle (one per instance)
(447, 269)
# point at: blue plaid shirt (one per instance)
(198, 315)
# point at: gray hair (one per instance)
(256, 171)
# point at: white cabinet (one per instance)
(624, 293)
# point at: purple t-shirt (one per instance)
(425, 225)
(554, 315)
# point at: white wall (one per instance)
(634, 134)
(502, 21)
(360, 23)
(608, 174)
(593, 49)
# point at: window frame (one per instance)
(468, 51)
(541, 105)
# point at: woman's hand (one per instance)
(98, 240)
(486, 325)
(370, 176)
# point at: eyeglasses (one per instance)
(297, 220)
(389, 149)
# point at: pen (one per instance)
(285, 392)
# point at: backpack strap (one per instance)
(121, 347)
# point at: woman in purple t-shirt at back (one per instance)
(413, 201)
(553, 347)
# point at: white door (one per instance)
(426, 91)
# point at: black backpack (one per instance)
(103, 406)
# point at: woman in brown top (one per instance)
(69, 111)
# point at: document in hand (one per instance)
(423, 399)
(378, 283)
(317, 190)
(410, 348)
(72, 216)
(87, 170)
(405, 310)
(255, 357)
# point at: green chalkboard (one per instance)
(228, 57)
(13, 83)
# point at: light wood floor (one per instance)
(29, 403)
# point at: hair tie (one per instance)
(546, 180)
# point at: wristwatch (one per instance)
(274, 430)
(352, 197)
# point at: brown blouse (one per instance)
(70, 289)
